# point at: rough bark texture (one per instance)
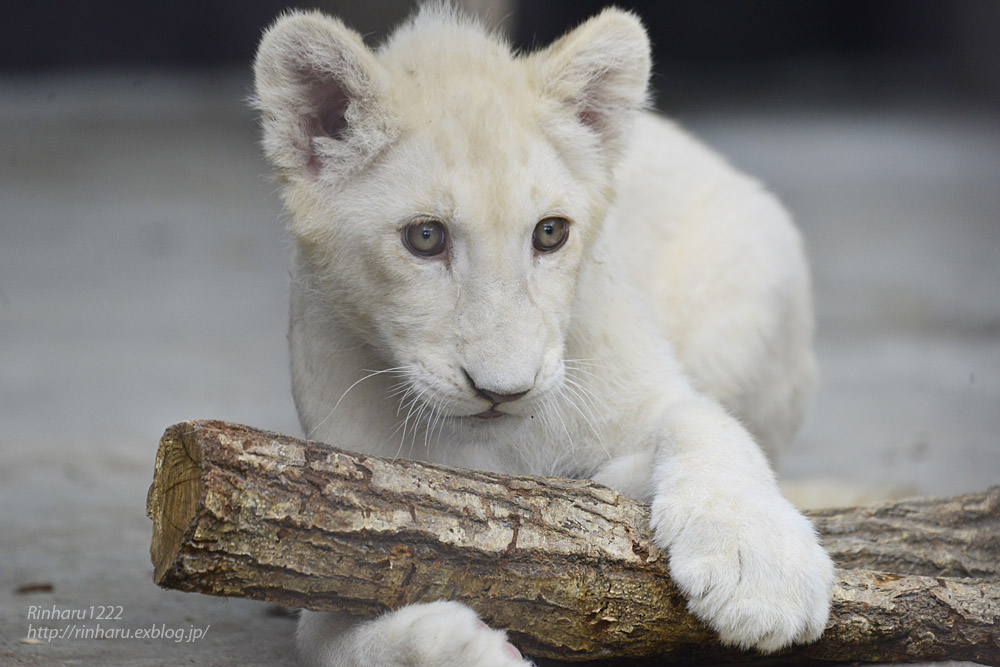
(937, 537)
(566, 566)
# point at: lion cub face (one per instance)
(444, 193)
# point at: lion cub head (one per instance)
(443, 191)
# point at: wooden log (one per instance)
(567, 567)
(937, 537)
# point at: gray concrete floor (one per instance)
(143, 278)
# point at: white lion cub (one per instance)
(502, 262)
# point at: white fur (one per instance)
(442, 634)
(666, 349)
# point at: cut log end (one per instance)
(174, 495)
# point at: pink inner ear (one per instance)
(589, 104)
(328, 100)
(592, 118)
(327, 103)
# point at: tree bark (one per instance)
(567, 567)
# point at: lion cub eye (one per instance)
(550, 234)
(425, 238)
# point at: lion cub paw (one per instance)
(755, 573)
(448, 634)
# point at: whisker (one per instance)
(416, 425)
(589, 397)
(593, 362)
(544, 415)
(401, 424)
(427, 431)
(566, 430)
(583, 371)
(398, 388)
(446, 413)
(413, 404)
(570, 388)
(433, 420)
(402, 399)
(346, 391)
(399, 450)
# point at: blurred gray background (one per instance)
(143, 263)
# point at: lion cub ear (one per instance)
(601, 70)
(321, 94)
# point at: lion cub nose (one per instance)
(496, 397)
(500, 398)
